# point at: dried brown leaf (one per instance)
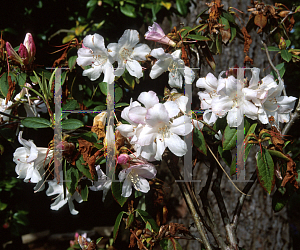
(260, 20)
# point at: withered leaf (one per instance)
(260, 20)
(290, 174)
(11, 88)
(226, 34)
(247, 40)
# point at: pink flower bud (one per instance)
(155, 33)
(12, 53)
(123, 159)
(30, 46)
(23, 51)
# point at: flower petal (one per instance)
(140, 52)
(127, 188)
(149, 99)
(176, 145)
(134, 68)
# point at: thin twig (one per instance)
(138, 240)
(240, 202)
(12, 116)
(184, 190)
(272, 65)
(230, 233)
(207, 209)
(282, 21)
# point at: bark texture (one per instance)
(259, 227)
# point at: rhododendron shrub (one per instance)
(103, 144)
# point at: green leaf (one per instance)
(287, 56)
(71, 124)
(129, 79)
(98, 240)
(278, 154)
(129, 220)
(21, 218)
(121, 104)
(117, 224)
(233, 167)
(164, 244)
(198, 37)
(118, 94)
(138, 194)
(265, 170)
(225, 155)
(225, 22)
(85, 193)
(70, 106)
(2, 206)
(182, 7)
(281, 69)
(72, 62)
(229, 138)
(233, 33)
(288, 43)
(228, 16)
(91, 3)
(36, 122)
(199, 141)
(21, 79)
(220, 124)
(252, 129)
(4, 84)
(184, 31)
(72, 179)
(116, 188)
(272, 48)
(279, 200)
(103, 87)
(128, 10)
(147, 218)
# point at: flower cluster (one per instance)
(127, 52)
(257, 100)
(156, 126)
(26, 53)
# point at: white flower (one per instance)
(103, 183)
(164, 131)
(128, 52)
(95, 54)
(136, 176)
(210, 85)
(173, 64)
(60, 200)
(5, 108)
(30, 160)
(233, 102)
(276, 105)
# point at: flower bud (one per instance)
(13, 54)
(23, 51)
(155, 33)
(282, 43)
(123, 159)
(30, 46)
